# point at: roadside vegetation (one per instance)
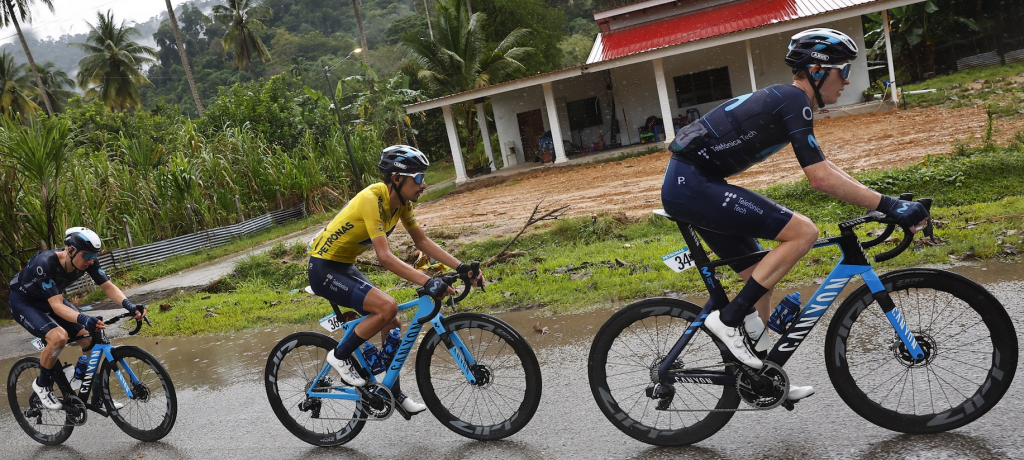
(605, 260)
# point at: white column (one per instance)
(453, 141)
(888, 56)
(666, 107)
(556, 128)
(750, 65)
(481, 118)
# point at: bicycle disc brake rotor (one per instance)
(482, 375)
(925, 341)
(377, 400)
(765, 390)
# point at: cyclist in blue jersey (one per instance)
(745, 131)
(38, 304)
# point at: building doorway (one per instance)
(531, 129)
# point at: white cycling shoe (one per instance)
(410, 406)
(46, 397)
(797, 392)
(346, 370)
(733, 338)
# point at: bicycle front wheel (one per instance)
(292, 369)
(49, 427)
(508, 387)
(149, 412)
(969, 343)
(624, 361)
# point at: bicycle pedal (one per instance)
(788, 404)
(401, 410)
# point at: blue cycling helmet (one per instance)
(402, 159)
(82, 239)
(820, 46)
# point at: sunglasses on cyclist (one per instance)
(844, 69)
(87, 256)
(417, 177)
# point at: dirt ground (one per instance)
(855, 143)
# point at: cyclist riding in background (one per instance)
(745, 131)
(367, 221)
(38, 304)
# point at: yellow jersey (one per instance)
(365, 217)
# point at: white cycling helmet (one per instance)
(83, 239)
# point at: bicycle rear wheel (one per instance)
(292, 369)
(149, 414)
(508, 386)
(624, 361)
(49, 427)
(968, 339)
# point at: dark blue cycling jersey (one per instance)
(44, 277)
(747, 129)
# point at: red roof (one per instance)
(710, 22)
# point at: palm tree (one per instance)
(12, 10)
(16, 98)
(244, 20)
(110, 69)
(456, 61)
(362, 34)
(184, 58)
(54, 83)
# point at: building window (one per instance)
(583, 113)
(703, 87)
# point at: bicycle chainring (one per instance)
(765, 390)
(378, 402)
(75, 408)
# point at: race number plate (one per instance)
(679, 259)
(38, 344)
(330, 322)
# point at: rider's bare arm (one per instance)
(57, 304)
(827, 178)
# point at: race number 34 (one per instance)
(679, 259)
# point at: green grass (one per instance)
(435, 193)
(440, 172)
(996, 90)
(578, 264)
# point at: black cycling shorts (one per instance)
(339, 283)
(728, 218)
(38, 318)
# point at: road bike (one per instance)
(133, 389)
(476, 374)
(916, 350)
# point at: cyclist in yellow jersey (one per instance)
(364, 223)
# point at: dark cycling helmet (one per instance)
(402, 158)
(82, 239)
(820, 46)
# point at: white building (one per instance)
(659, 58)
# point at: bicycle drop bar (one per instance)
(449, 279)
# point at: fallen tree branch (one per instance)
(553, 214)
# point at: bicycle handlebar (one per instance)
(450, 279)
(908, 236)
(138, 323)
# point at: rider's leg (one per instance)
(795, 240)
(56, 340)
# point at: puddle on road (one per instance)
(213, 362)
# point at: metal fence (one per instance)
(121, 259)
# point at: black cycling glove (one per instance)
(436, 288)
(88, 321)
(132, 308)
(906, 213)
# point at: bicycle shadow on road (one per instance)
(501, 448)
(940, 445)
(703, 453)
(333, 453)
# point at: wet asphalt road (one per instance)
(224, 414)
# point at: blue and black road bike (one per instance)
(476, 374)
(133, 389)
(917, 350)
